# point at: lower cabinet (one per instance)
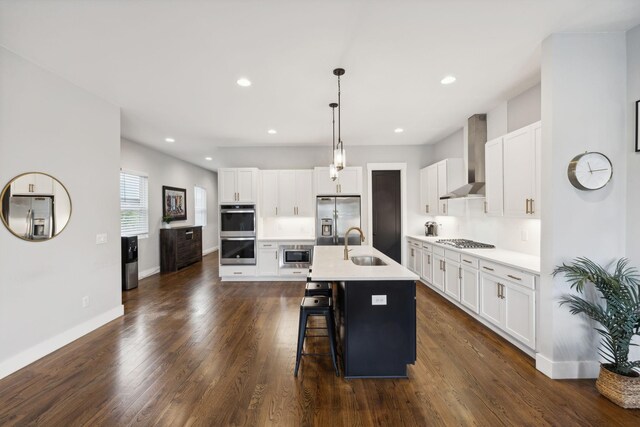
(469, 296)
(452, 276)
(414, 257)
(268, 261)
(438, 272)
(509, 306)
(427, 265)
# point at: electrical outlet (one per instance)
(85, 302)
(101, 239)
(524, 235)
(378, 300)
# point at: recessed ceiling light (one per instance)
(244, 82)
(448, 80)
(272, 131)
(208, 158)
(398, 130)
(170, 140)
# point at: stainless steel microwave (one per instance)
(296, 256)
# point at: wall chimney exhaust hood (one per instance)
(476, 138)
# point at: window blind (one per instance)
(200, 201)
(134, 204)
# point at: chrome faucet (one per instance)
(346, 241)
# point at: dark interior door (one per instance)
(387, 213)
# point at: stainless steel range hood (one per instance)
(476, 138)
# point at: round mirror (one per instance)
(35, 206)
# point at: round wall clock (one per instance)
(590, 171)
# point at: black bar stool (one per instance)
(312, 289)
(316, 306)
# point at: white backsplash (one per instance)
(470, 222)
(287, 227)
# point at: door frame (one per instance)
(402, 167)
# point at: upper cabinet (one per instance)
(493, 177)
(238, 185)
(437, 180)
(32, 183)
(349, 181)
(521, 176)
(287, 193)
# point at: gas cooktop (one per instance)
(465, 244)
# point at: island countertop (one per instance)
(329, 265)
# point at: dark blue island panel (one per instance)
(376, 340)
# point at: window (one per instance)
(200, 201)
(134, 204)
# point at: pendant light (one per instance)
(339, 155)
(333, 172)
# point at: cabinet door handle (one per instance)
(426, 208)
(486, 209)
(297, 272)
(514, 277)
(487, 268)
(444, 266)
(467, 261)
(276, 254)
(501, 290)
(498, 289)
(429, 259)
(459, 272)
(237, 272)
(276, 210)
(529, 206)
(444, 208)
(532, 211)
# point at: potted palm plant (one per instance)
(618, 315)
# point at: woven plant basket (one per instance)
(621, 390)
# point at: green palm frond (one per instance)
(618, 311)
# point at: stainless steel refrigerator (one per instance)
(334, 216)
(32, 216)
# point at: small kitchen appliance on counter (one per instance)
(430, 228)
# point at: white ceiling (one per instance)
(172, 65)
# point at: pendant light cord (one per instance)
(339, 116)
(333, 121)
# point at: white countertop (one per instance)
(288, 238)
(329, 265)
(524, 262)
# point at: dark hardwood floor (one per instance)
(191, 350)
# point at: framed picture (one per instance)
(637, 125)
(174, 203)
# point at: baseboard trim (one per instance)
(56, 342)
(210, 250)
(567, 369)
(148, 272)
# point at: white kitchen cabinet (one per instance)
(269, 192)
(452, 278)
(521, 165)
(349, 181)
(424, 191)
(238, 185)
(305, 202)
(447, 175)
(427, 265)
(429, 190)
(469, 285)
(32, 183)
(268, 259)
(509, 306)
(438, 272)
(414, 251)
(493, 177)
(287, 193)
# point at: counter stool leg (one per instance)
(302, 330)
(332, 340)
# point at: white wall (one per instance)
(524, 109)
(416, 157)
(166, 170)
(49, 125)
(584, 101)
(497, 121)
(450, 147)
(633, 158)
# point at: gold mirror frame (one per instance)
(5, 222)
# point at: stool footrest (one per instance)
(316, 354)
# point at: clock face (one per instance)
(590, 171)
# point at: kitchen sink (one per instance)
(367, 260)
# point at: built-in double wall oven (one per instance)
(238, 235)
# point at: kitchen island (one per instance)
(375, 309)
